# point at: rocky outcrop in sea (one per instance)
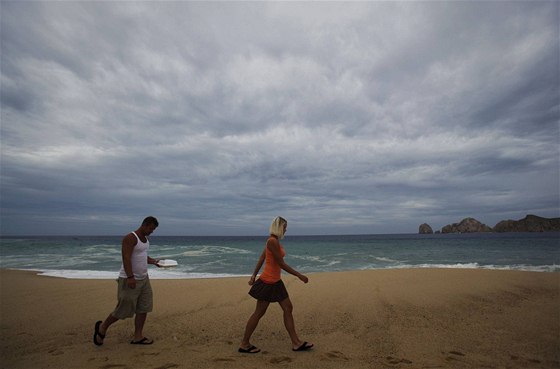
(467, 225)
(425, 229)
(531, 223)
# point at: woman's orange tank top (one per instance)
(272, 270)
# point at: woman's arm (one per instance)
(274, 246)
(257, 268)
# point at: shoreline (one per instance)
(447, 318)
(172, 274)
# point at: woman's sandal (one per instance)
(304, 347)
(250, 350)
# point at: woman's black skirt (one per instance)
(269, 292)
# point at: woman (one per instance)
(270, 288)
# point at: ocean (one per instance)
(215, 257)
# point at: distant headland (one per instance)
(531, 223)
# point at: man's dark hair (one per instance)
(150, 220)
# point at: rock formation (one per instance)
(531, 223)
(467, 225)
(425, 229)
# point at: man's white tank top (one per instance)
(139, 260)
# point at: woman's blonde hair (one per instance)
(277, 227)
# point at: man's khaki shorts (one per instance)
(133, 301)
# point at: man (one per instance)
(134, 290)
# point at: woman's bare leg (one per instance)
(289, 323)
(253, 321)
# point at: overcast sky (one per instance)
(367, 117)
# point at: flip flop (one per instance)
(304, 347)
(249, 350)
(96, 333)
(143, 341)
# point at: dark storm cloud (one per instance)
(215, 117)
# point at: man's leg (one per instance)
(125, 306)
(139, 321)
(101, 329)
(143, 307)
(107, 323)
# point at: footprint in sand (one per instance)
(168, 365)
(454, 356)
(150, 353)
(56, 352)
(280, 360)
(222, 359)
(334, 356)
(394, 361)
(458, 353)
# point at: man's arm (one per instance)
(128, 243)
(153, 261)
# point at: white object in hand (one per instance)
(167, 263)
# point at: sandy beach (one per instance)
(417, 318)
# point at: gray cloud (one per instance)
(215, 117)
